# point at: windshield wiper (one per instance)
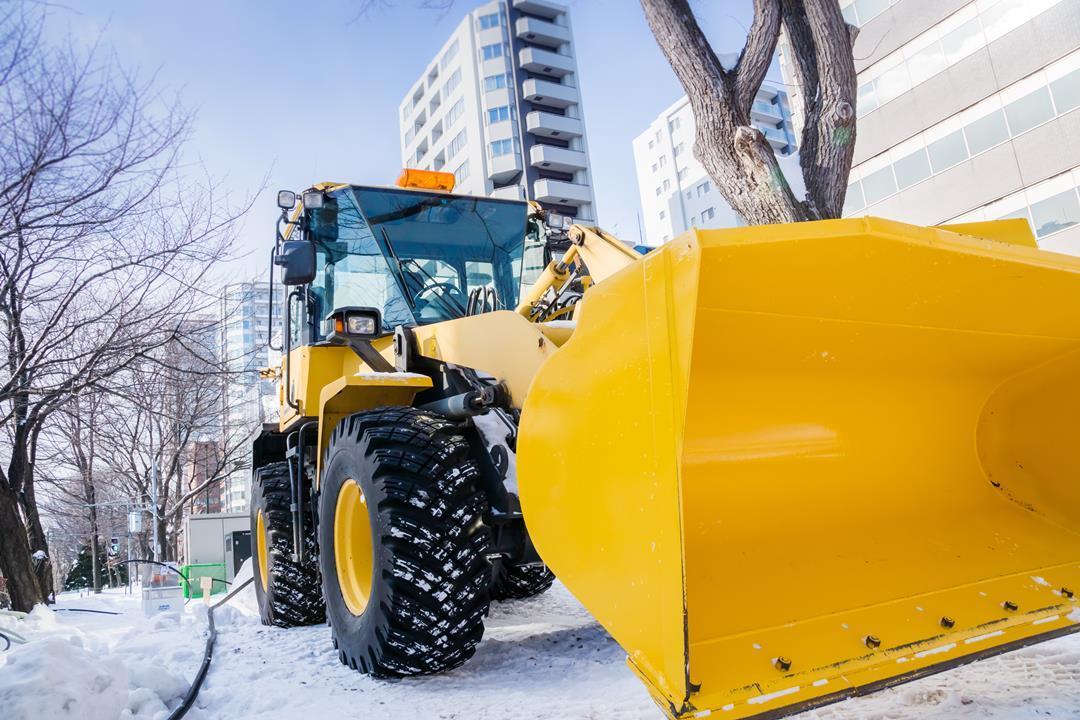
(400, 269)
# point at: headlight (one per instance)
(353, 322)
(356, 324)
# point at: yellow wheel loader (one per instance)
(781, 465)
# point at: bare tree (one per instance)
(174, 411)
(734, 152)
(102, 250)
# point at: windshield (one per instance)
(416, 256)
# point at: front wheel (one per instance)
(404, 547)
(288, 592)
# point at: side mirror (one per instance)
(296, 258)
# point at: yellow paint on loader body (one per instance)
(783, 465)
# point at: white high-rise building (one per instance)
(967, 111)
(676, 192)
(245, 308)
(499, 106)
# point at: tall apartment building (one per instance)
(967, 110)
(676, 192)
(244, 310)
(499, 106)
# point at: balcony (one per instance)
(539, 7)
(552, 125)
(556, 158)
(542, 92)
(503, 168)
(545, 62)
(563, 193)
(542, 32)
(510, 192)
(776, 137)
(763, 110)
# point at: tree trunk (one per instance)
(733, 152)
(95, 562)
(15, 556)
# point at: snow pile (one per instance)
(98, 667)
(59, 678)
(245, 600)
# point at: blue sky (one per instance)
(296, 93)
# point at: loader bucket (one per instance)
(785, 465)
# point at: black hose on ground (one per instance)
(208, 654)
(7, 642)
(87, 610)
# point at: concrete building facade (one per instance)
(244, 310)
(499, 106)
(968, 111)
(676, 192)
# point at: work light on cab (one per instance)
(353, 322)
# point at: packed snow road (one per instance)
(541, 658)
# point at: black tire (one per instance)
(431, 575)
(293, 594)
(517, 582)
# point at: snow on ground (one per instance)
(542, 658)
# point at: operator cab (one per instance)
(418, 256)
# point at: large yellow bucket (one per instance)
(784, 465)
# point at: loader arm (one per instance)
(593, 256)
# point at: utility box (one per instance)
(218, 538)
(161, 591)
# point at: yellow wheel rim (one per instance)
(354, 555)
(260, 542)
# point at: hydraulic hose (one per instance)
(208, 655)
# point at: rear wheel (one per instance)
(517, 582)
(404, 547)
(288, 592)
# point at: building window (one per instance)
(986, 132)
(693, 220)
(461, 173)
(879, 185)
(489, 21)
(658, 191)
(489, 52)
(1066, 91)
(673, 125)
(502, 147)
(667, 185)
(708, 214)
(449, 54)
(455, 112)
(1055, 213)
(662, 161)
(451, 83)
(703, 188)
(678, 150)
(1031, 110)
(651, 144)
(498, 114)
(663, 214)
(947, 151)
(681, 174)
(654, 167)
(456, 145)
(496, 82)
(912, 168)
